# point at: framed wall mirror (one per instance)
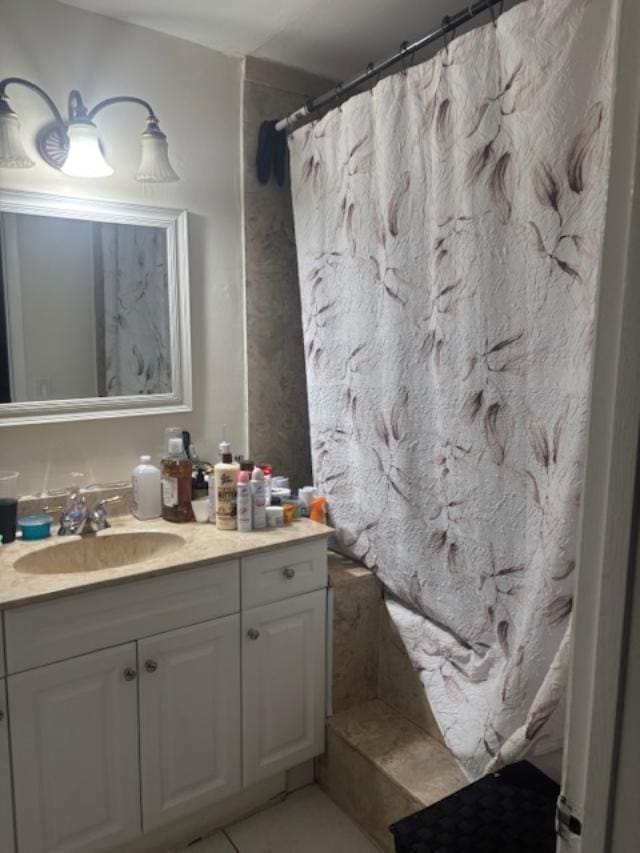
(94, 309)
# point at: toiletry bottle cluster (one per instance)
(247, 497)
(234, 495)
(238, 493)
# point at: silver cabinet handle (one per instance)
(151, 665)
(129, 674)
(253, 633)
(289, 573)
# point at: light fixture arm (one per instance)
(77, 108)
(121, 99)
(20, 81)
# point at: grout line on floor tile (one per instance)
(230, 840)
(276, 800)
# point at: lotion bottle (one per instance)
(259, 499)
(145, 483)
(226, 489)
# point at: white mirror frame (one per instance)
(175, 224)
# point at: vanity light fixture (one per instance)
(73, 146)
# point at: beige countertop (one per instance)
(197, 545)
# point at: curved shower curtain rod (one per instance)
(449, 25)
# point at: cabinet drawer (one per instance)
(280, 574)
(37, 634)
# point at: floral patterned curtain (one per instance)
(132, 310)
(449, 228)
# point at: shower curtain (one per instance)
(132, 310)
(449, 228)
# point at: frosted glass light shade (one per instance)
(154, 163)
(12, 153)
(85, 159)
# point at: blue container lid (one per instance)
(35, 520)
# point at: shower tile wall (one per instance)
(356, 626)
(399, 684)
(278, 419)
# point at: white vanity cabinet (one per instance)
(189, 719)
(135, 705)
(74, 740)
(6, 800)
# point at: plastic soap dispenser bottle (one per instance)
(176, 483)
(145, 482)
(226, 489)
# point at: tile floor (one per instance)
(306, 822)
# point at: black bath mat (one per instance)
(512, 811)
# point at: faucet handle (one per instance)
(110, 500)
(99, 512)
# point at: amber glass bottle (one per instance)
(176, 483)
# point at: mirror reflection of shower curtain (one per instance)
(132, 311)
(449, 227)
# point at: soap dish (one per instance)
(35, 526)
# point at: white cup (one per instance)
(200, 509)
(307, 494)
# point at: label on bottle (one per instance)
(259, 506)
(226, 504)
(244, 507)
(170, 491)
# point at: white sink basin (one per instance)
(102, 551)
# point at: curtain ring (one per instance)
(403, 50)
(445, 23)
(369, 69)
(412, 59)
(490, 6)
(447, 41)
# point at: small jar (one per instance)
(288, 511)
(35, 526)
(275, 516)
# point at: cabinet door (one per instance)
(2, 672)
(6, 807)
(189, 719)
(74, 741)
(283, 684)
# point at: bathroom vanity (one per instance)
(153, 671)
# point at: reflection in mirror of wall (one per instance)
(86, 309)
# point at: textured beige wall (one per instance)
(197, 94)
(277, 389)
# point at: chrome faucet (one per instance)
(79, 520)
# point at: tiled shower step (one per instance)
(379, 767)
